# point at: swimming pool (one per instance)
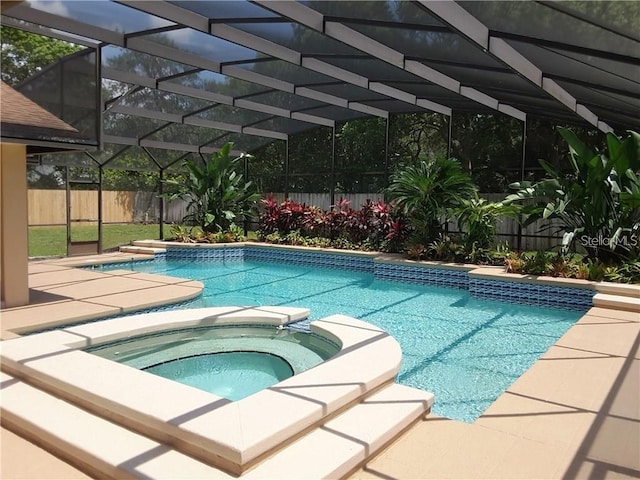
(465, 350)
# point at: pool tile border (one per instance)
(440, 277)
(538, 295)
(552, 293)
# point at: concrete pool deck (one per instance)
(574, 414)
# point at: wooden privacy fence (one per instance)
(49, 207)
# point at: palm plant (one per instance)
(597, 203)
(477, 220)
(217, 195)
(428, 192)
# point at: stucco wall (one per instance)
(14, 281)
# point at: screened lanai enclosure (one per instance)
(330, 97)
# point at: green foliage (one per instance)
(571, 266)
(428, 192)
(180, 233)
(490, 146)
(295, 238)
(266, 168)
(560, 265)
(23, 54)
(185, 234)
(129, 180)
(360, 148)
(216, 194)
(414, 136)
(628, 272)
(477, 220)
(442, 248)
(598, 203)
(416, 251)
(534, 263)
(309, 160)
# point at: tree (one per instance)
(266, 168)
(23, 54)
(414, 136)
(47, 177)
(360, 156)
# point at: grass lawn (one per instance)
(52, 241)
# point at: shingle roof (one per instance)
(23, 121)
(19, 110)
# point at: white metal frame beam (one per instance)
(199, 122)
(138, 43)
(338, 31)
(449, 12)
(226, 32)
(179, 147)
(126, 77)
(474, 30)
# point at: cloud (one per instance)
(56, 7)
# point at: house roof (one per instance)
(23, 121)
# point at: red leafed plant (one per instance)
(375, 226)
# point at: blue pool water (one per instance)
(237, 374)
(230, 361)
(465, 350)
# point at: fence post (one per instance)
(522, 162)
(286, 168)
(333, 165)
(99, 208)
(450, 135)
(387, 128)
(161, 201)
(68, 191)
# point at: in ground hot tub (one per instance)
(233, 436)
(230, 361)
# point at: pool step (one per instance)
(617, 302)
(347, 441)
(95, 445)
(141, 250)
(617, 296)
(104, 449)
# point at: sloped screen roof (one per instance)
(189, 76)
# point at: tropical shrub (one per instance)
(598, 203)
(477, 220)
(628, 272)
(416, 251)
(428, 192)
(180, 233)
(442, 248)
(281, 217)
(217, 195)
(571, 266)
(376, 226)
(560, 265)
